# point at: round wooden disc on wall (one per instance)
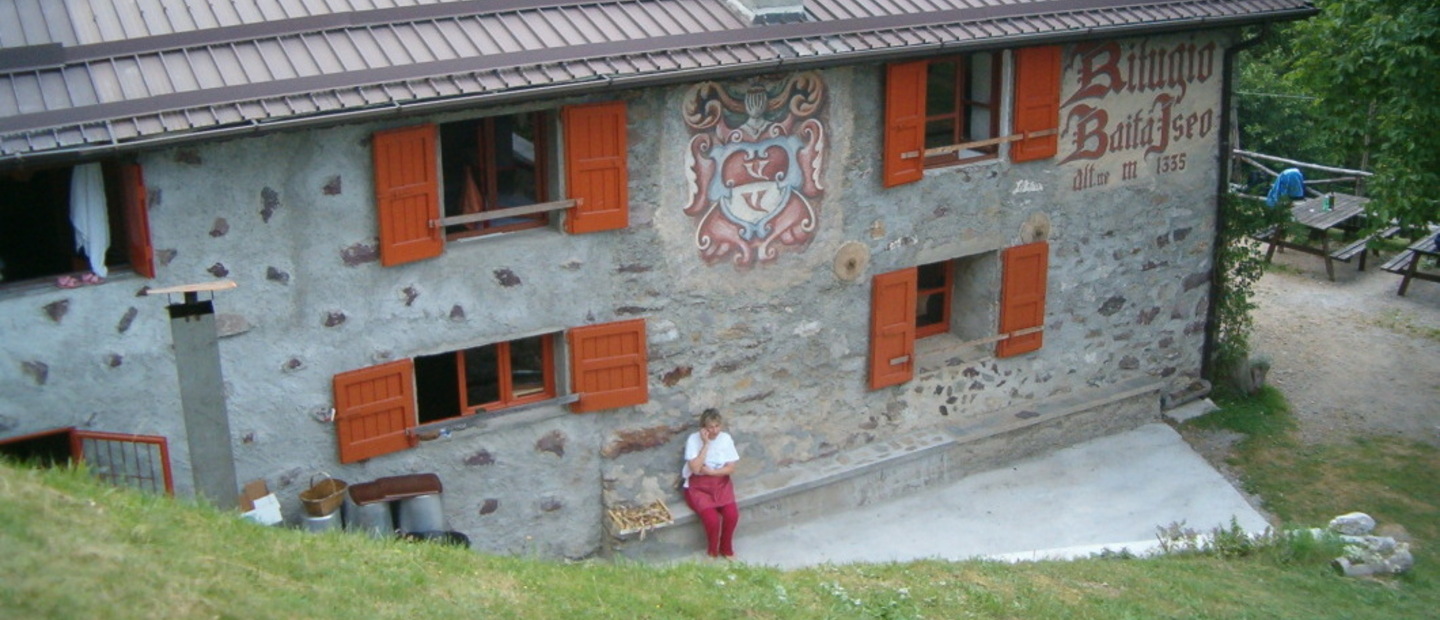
(851, 260)
(1036, 228)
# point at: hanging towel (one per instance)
(1290, 184)
(89, 216)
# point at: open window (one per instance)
(962, 108)
(947, 111)
(486, 378)
(62, 220)
(951, 306)
(439, 183)
(493, 165)
(136, 461)
(380, 409)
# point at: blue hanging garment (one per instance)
(1289, 184)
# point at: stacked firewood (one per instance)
(640, 518)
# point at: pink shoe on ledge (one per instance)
(67, 282)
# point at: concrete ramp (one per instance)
(1111, 492)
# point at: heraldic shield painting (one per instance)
(755, 160)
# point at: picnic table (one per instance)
(1407, 262)
(1319, 216)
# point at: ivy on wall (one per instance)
(1240, 263)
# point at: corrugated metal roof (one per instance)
(91, 74)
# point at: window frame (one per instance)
(946, 292)
(377, 408)
(959, 114)
(1028, 114)
(146, 471)
(486, 180)
(1017, 327)
(505, 378)
(592, 150)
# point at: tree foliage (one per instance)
(1275, 111)
(1372, 67)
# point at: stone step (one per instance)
(892, 468)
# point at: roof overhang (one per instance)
(240, 102)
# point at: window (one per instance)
(63, 220)
(492, 164)
(135, 461)
(962, 107)
(486, 378)
(495, 174)
(934, 283)
(378, 409)
(947, 111)
(951, 299)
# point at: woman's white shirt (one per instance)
(722, 452)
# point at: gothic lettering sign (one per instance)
(1138, 109)
(754, 162)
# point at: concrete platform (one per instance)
(1112, 492)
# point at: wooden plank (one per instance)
(1348, 252)
(1311, 211)
(218, 285)
(1399, 262)
(503, 213)
(942, 150)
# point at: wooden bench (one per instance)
(1275, 237)
(1406, 264)
(1358, 247)
(1265, 234)
(1399, 262)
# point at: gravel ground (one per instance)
(1352, 357)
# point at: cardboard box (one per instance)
(258, 504)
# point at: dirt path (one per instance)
(1353, 357)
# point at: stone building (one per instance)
(522, 248)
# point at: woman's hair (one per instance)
(710, 415)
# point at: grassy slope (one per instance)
(70, 548)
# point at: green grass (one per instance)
(1403, 323)
(71, 548)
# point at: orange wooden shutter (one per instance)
(137, 220)
(1037, 102)
(374, 407)
(407, 194)
(892, 328)
(608, 365)
(1022, 296)
(904, 158)
(596, 172)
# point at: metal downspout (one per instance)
(1222, 187)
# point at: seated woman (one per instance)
(710, 458)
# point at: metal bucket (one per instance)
(373, 518)
(321, 524)
(422, 513)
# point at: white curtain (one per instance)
(89, 216)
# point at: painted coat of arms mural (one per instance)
(755, 162)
